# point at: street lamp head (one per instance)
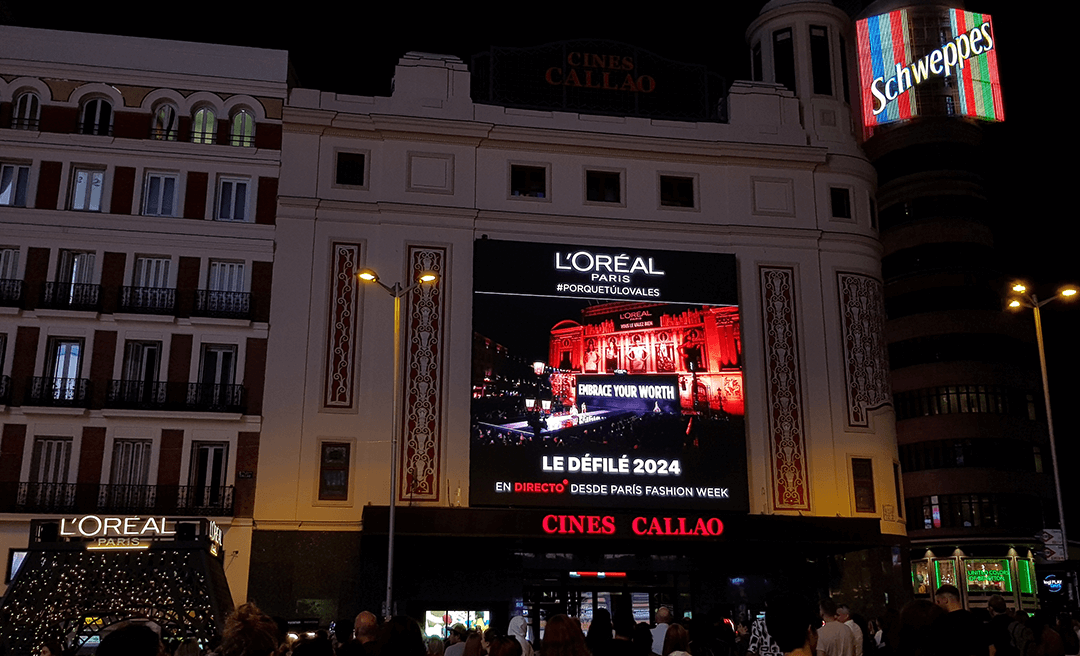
(1014, 303)
(1068, 291)
(367, 275)
(427, 276)
(1019, 288)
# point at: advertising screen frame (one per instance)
(606, 377)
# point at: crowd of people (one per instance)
(942, 627)
(792, 626)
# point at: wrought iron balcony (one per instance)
(147, 300)
(11, 292)
(207, 397)
(59, 392)
(136, 394)
(5, 389)
(214, 500)
(71, 296)
(224, 305)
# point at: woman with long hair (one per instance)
(676, 641)
(563, 637)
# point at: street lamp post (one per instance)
(397, 291)
(1025, 299)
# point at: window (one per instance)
(164, 125)
(242, 129)
(149, 291)
(130, 474)
(784, 58)
(207, 479)
(96, 117)
(755, 63)
(86, 187)
(151, 271)
(225, 276)
(528, 181)
(204, 126)
(350, 169)
(75, 268)
(218, 368)
(603, 186)
(61, 383)
(819, 60)
(676, 191)
(10, 284)
(14, 179)
(232, 199)
(334, 471)
(896, 486)
(142, 364)
(841, 202)
(862, 475)
(49, 460)
(27, 112)
(159, 197)
(844, 71)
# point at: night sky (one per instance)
(354, 51)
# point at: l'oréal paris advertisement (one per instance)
(606, 377)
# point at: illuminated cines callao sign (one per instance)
(641, 526)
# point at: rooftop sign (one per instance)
(928, 61)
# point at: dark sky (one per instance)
(354, 51)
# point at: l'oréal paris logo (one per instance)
(603, 267)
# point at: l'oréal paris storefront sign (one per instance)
(638, 402)
(928, 61)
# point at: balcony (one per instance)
(71, 296)
(11, 292)
(206, 397)
(59, 392)
(198, 397)
(223, 305)
(213, 500)
(147, 300)
(136, 394)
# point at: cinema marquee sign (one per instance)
(600, 71)
(640, 526)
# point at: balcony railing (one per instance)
(136, 394)
(5, 389)
(215, 500)
(215, 398)
(71, 296)
(59, 392)
(225, 305)
(11, 292)
(147, 300)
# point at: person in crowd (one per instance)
(519, 630)
(843, 615)
(958, 632)
(643, 640)
(915, 636)
(1047, 640)
(663, 619)
(401, 636)
(50, 648)
(504, 646)
(249, 632)
(1002, 627)
(676, 641)
(623, 624)
(792, 625)
(317, 645)
(189, 647)
(474, 644)
(455, 641)
(600, 633)
(1070, 639)
(131, 640)
(435, 646)
(834, 637)
(563, 637)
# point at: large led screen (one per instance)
(928, 61)
(605, 377)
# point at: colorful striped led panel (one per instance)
(894, 60)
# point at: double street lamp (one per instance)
(1021, 297)
(397, 291)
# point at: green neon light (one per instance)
(1027, 576)
(982, 571)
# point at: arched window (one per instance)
(164, 126)
(204, 126)
(96, 117)
(242, 129)
(27, 112)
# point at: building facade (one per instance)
(139, 184)
(505, 179)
